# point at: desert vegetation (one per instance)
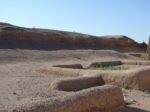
(100, 66)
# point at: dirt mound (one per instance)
(32, 38)
(88, 100)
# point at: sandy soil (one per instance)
(137, 101)
(20, 78)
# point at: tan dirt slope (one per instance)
(13, 37)
(23, 51)
(20, 79)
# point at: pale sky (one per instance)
(96, 17)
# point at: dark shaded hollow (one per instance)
(107, 63)
(77, 84)
(94, 64)
(74, 66)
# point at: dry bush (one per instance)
(145, 56)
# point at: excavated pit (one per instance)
(126, 74)
(80, 94)
(89, 90)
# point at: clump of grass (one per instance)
(145, 56)
(99, 66)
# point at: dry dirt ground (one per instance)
(20, 77)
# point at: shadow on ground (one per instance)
(132, 109)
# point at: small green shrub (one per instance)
(101, 67)
(145, 56)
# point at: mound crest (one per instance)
(13, 37)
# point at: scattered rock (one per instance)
(129, 101)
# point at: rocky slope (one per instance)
(13, 37)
